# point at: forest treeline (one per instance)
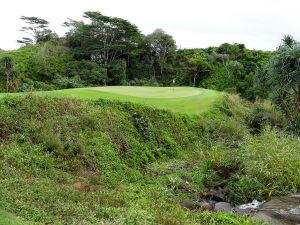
(105, 50)
(112, 51)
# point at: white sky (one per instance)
(259, 24)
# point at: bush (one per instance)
(65, 82)
(274, 160)
(264, 114)
(36, 86)
(87, 72)
(244, 188)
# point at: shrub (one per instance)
(244, 188)
(66, 82)
(273, 159)
(264, 114)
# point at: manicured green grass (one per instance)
(186, 100)
(8, 219)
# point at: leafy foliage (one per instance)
(37, 29)
(281, 77)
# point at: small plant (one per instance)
(142, 125)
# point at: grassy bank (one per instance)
(72, 161)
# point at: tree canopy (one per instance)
(104, 50)
(37, 29)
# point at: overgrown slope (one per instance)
(70, 161)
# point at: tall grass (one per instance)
(70, 161)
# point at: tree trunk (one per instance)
(298, 101)
(7, 82)
(161, 69)
(194, 81)
(286, 109)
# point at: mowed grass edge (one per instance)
(9, 219)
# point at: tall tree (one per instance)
(108, 41)
(37, 29)
(104, 39)
(162, 47)
(198, 67)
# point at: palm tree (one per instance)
(282, 76)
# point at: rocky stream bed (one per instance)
(284, 210)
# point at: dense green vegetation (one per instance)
(112, 51)
(280, 78)
(80, 145)
(186, 100)
(71, 161)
